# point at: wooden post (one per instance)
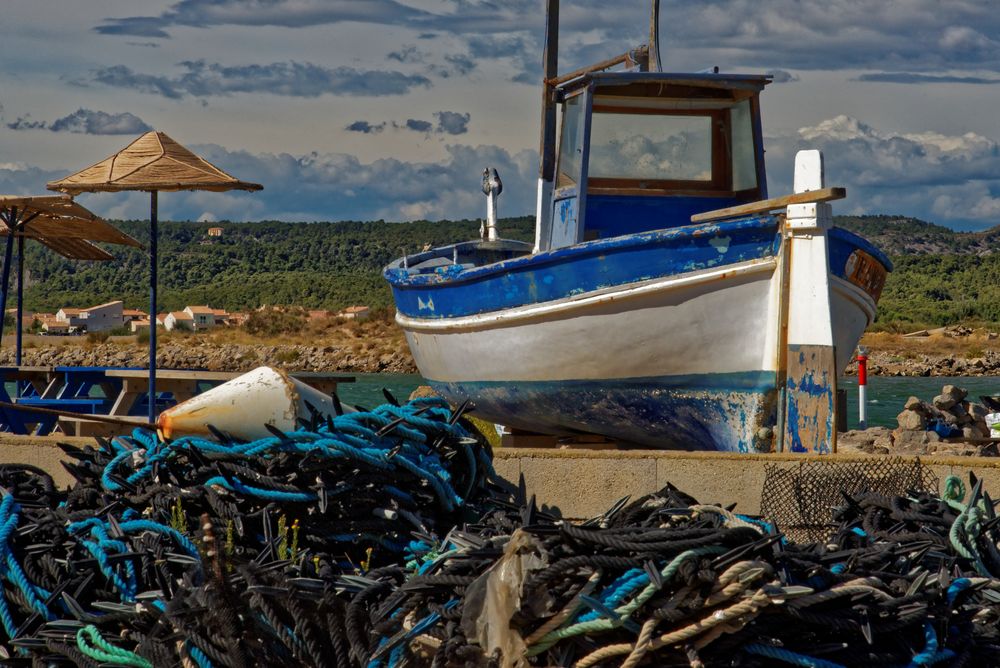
(811, 381)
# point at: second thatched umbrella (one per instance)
(60, 224)
(154, 162)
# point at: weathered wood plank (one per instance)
(763, 206)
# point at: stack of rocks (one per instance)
(949, 411)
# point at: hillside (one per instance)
(319, 265)
(898, 235)
(942, 276)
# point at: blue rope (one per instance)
(351, 436)
(931, 653)
(786, 656)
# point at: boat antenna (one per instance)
(550, 64)
(654, 38)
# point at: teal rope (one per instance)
(605, 624)
(90, 642)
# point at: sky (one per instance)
(390, 109)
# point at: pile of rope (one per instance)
(170, 551)
(666, 581)
(379, 539)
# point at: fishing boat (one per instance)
(666, 301)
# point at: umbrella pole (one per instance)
(152, 305)
(7, 256)
(20, 298)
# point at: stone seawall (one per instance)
(219, 357)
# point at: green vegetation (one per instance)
(942, 277)
(313, 265)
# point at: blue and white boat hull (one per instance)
(690, 358)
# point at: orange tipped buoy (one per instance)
(243, 405)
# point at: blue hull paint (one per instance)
(709, 412)
(452, 291)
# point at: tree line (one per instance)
(941, 276)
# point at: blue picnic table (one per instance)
(87, 390)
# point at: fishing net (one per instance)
(800, 499)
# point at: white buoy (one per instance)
(243, 405)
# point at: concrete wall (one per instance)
(581, 483)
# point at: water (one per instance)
(367, 389)
(886, 395)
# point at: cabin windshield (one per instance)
(642, 151)
(654, 149)
(635, 146)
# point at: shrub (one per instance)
(274, 322)
(97, 337)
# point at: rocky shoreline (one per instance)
(220, 357)
(891, 363)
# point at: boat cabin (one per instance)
(641, 151)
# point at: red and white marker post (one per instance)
(862, 387)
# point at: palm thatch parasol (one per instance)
(152, 163)
(59, 223)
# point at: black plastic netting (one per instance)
(800, 499)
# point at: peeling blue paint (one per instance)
(583, 268)
(693, 412)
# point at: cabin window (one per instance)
(570, 148)
(644, 146)
(742, 147)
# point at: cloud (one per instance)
(287, 13)
(916, 35)
(291, 79)
(85, 121)
(25, 123)
(365, 127)
(452, 122)
(951, 179)
(912, 78)
(407, 54)
(781, 76)
(418, 125)
(333, 186)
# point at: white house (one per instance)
(178, 320)
(100, 318)
(203, 317)
(103, 317)
(70, 317)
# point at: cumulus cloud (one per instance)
(452, 122)
(85, 121)
(292, 79)
(334, 186)
(951, 179)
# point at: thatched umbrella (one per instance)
(152, 163)
(59, 223)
